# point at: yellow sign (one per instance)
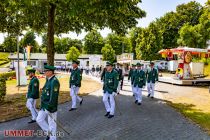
(125, 56)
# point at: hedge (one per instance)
(3, 78)
(2, 89)
(3, 62)
(7, 75)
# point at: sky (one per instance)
(153, 8)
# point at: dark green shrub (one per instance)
(7, 75)
(2, 89)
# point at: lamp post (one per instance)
(18, 65)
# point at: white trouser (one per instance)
(50, 126)
(138, 94)
(31, 105)
(132, 89)
(109, 104)
(73, 93)
(118, 87)
(151, 88)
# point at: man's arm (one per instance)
(79, 78)
(156, 77)
(144, 78)
(129, 75)
(54, 92)
(102, 75)
(116, 81)
(35, 88)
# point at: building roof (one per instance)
(43, 56)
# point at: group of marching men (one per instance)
(111, 78)
(139, 78)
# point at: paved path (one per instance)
(153, 120)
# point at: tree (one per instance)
(133, 36)
(189, 12)
(67, 15)
(10, 44)
(2, 48)
(189, 36)
(43, 47)
(204, 25)
(171, 22)
(93, 42)
(120, 44)
(29, 39)
(77, 43)
(108, 53)
(196, 36)
(73, 54)
(12, 19)
(149, 43)
(61, 45)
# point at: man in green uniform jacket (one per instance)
(75, 84)
(131, 76)
(138, 83)
(152, 78)
(32, 94)
(49, 103)
(111, 80)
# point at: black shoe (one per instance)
(152, 97)
(81, 102)
(118, 93)
(47, 138)
(111, 116)
(148, 95)
(133, 95)
(139, 103)
(72, 109)
(32, 121)
(136, 101)
(107, 114)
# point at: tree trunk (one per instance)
(50, 35)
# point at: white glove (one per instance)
(74, 86)
(143, 87)
(114, 93)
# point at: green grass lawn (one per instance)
(197, 116)
(4, 56)
(4, 59)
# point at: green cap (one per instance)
(31, 70)
(75, 62)
(50, 68)
(109, 64)
(138, 64)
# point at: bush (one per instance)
(4, 56)
(3, 62)
(7, 75)
(2, 89)
(3, 78)
(206, 61)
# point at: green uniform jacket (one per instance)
(50, 92)
(152, 75)
(131, 75)
(33, 88)
(111, 80)
(75, 78)
(139, 78)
